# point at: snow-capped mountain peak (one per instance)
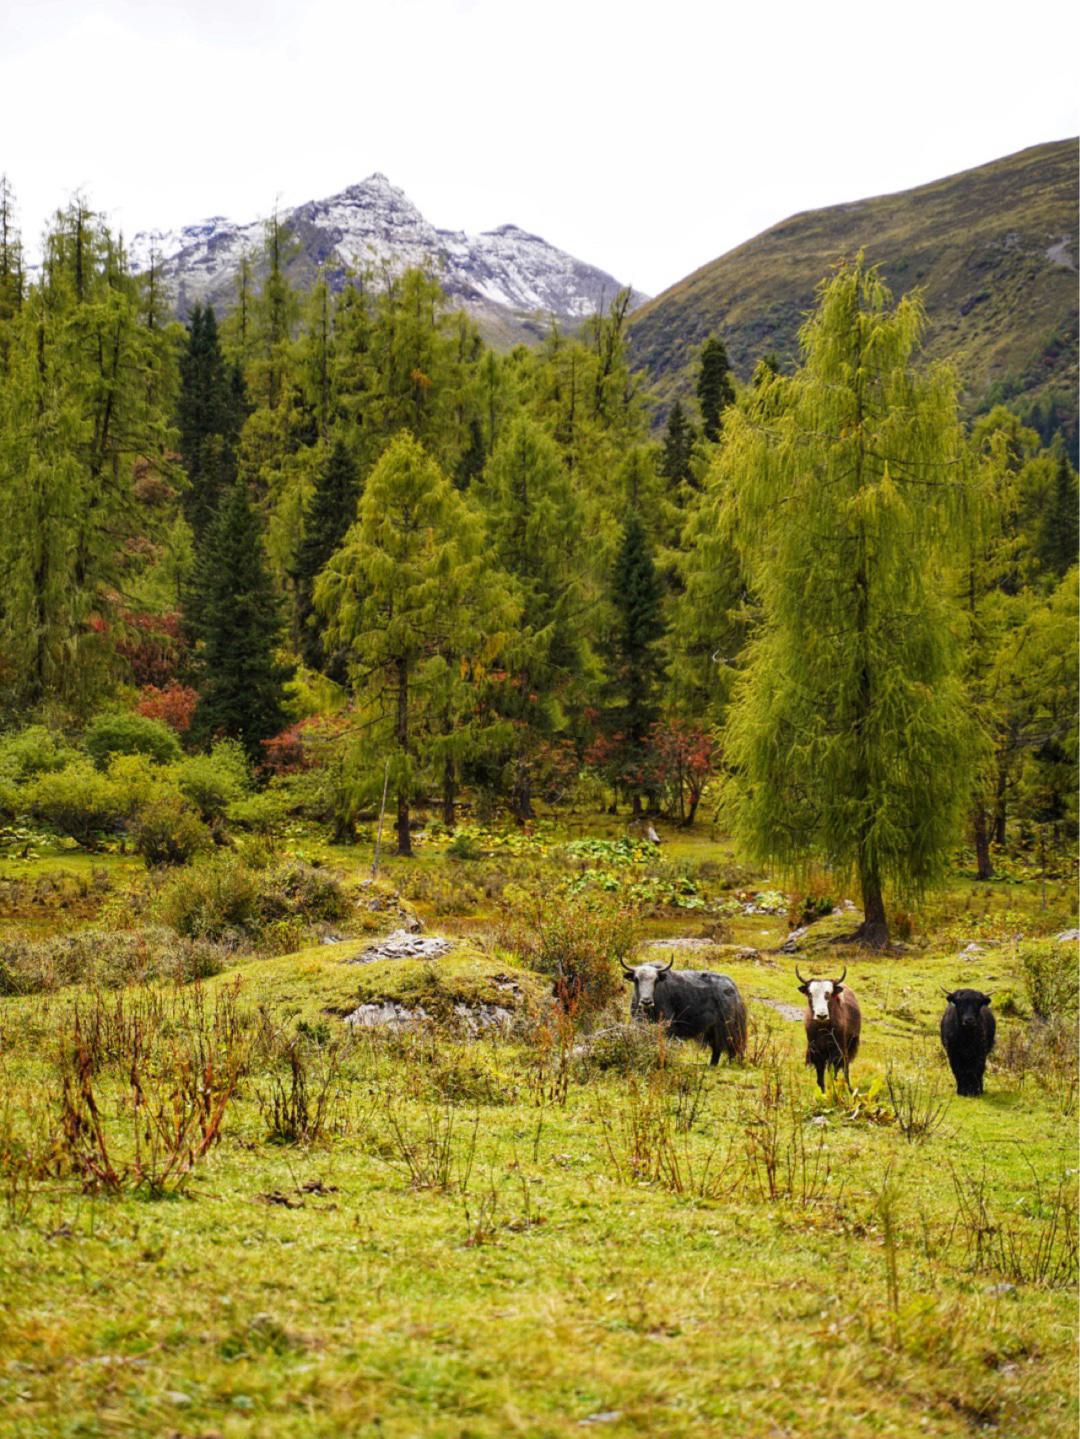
(506, 276)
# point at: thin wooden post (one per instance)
(382, 812)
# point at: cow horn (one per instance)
(667, 966)
(630, 973)
(800, 977)
(842, 977)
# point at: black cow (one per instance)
(967, 1032)
(691, 1004)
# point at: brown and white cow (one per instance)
(833, 1022)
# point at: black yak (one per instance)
(833, 1022)
(691, 1004)
(967, 1032)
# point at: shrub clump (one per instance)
(1051, 978)
(167, 831)
(217, 899)
(214, 781)
(581, 945)
(127, 732)
(223, 898)
(105, 957)
(622, 1049)
(79, 801)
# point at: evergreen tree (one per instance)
(678, 448)
(330, 513)
(210, 414)
(233, 615)
(637, 668)
(1059, 528)
(535, 521)
(80, 421)
(413, 596)
(850, 735)
(11, 267)
(715, 391)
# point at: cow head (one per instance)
(645, 978)
(819, 992)
(968, 1003)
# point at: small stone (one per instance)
(605, 1416)
(177, 1396)
(1068, 936)
(1002, 1289)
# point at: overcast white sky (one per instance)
(647, 138)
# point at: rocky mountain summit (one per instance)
(513, 282)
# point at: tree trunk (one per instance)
(874, 930)
(691, 814)
(404, 839)
(1000, 807)
(636, 807)
(449, 798)
(980, 829)
(522, 799)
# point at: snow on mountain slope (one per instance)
(506, 276)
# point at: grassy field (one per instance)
(546, 1231)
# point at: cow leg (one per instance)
(714, 1041)
(819, 1065)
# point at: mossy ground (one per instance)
(561, 1281)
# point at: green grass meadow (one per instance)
(556, 1230)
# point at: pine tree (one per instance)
(850, 734)
(233, 615)
(1059, 527)
(715, 391)
(210, 414)
(330, 513)
(413, 596)
(678, 448)
(638, 667)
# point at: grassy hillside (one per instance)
(994, 249)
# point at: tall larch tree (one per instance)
(850, 733)
(535, 521)
(413, 597)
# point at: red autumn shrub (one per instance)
(175, 705)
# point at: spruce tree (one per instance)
(1059, 531)
(233, 615)
(678, 448)
(210, 414)
(850, 734)
(638, 667)
(330, 513)
(715, 391)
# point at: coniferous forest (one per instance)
(373, 704)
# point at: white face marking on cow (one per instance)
(818, 992)
(645, 977)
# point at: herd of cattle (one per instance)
(699, 1004)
